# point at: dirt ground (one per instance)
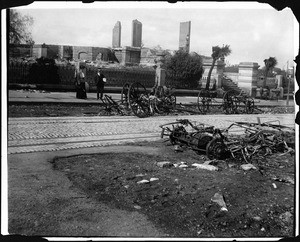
(178, 200)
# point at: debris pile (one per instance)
(241, 140)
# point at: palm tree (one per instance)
(269, 65)
(217, 52)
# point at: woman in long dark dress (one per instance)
(80, 83)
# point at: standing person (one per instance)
(77, 84)
(100, 81)
(80, 83)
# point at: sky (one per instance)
(254, 31)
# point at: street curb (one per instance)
(79, 102)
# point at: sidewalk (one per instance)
(38, 96)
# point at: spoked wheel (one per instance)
(216, 149)
(159, 92)
(203, 140)
(124, 94)
(160, 105)
(171, 101)
(138, 100)
(175, 135)
(165, 104)
(249, 105)
(204, 101)
(229, 103)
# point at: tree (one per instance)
(217, 53)
(18, 28)
(269, 65)
(183, 70)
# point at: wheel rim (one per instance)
(165, 104)
(250, 106)
(159, 92)
(172, 101)
(229, 106)
(160, 105)
(215, 149)
(138, 100)
(124, 94)
(203, 101)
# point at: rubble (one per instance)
(240, 141)
(257, 218)
(189, 195)
(286, 179)
(218, 198)
(178, 148)
(205, 167)
(143, 181)
(286, 217)
(247, 167)
(164, 164)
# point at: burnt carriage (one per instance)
(231, 102)
(241, 141)
(136, 99)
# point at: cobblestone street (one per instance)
(59, 133)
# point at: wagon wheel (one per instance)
(175, 135)
(204, 101)
(124, 94)
(159, 105)
(249, 105)
(165, 104)
(159, 92)
(203, 140)
(138, 100)
(216, 149)
(171, 100)
(229, 102)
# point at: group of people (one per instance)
(81, 84)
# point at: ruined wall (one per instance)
(82, 53)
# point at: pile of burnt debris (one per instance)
(241, 140)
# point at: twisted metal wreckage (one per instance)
(135, 99)
(161, 99)
(241, 140)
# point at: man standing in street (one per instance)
(100, 82)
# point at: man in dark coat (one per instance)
(100, 82)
